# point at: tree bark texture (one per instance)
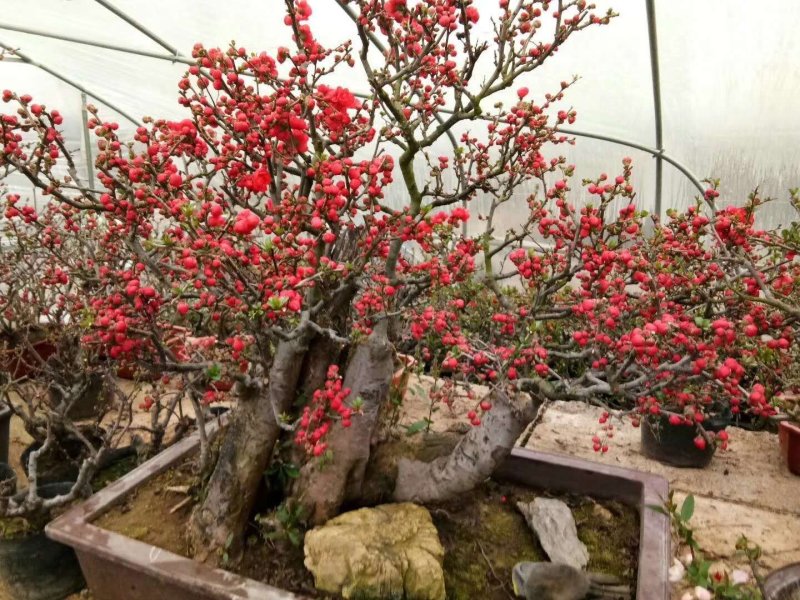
(323, 487)
(219, 522)
(475, 457)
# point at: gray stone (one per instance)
(390, 551)
(549, 581)
(555, 527)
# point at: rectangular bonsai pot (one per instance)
(120, 568)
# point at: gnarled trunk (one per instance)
(321, 489)
(475, 457)
(220, 521)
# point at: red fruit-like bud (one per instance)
(700, 442)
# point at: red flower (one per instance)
(246, 222)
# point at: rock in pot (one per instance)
(390, 551)
(555, 527)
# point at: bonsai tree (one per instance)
(58, 386)
(260, 224)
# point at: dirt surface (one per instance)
(483, 535)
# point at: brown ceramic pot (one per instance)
(120, 568)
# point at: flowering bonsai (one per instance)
(260, 224)
(53, 377)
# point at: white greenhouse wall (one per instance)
(729, 72)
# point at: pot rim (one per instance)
(781, 579)
(567, 474)
(790, 426)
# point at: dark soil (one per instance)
(483, 535)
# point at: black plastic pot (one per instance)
(783, 584)
(5, 429)
(8, 480)
(36, 568)
(63, 462)
(674, 444)
(218, 411)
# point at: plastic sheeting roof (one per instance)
(730, 77)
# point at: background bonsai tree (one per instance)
(61, 387)
(260, 226)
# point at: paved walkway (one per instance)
(746, 489)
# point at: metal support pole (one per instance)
(75, 40)
(657, 152)
(87, 145)
(68, 81)
(656, 78)
(134, 23)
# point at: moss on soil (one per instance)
(483, 535)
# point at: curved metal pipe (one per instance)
(68, 81)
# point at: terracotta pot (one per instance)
(223, 385)
(5, 431)
(120, 568)
(405, 363)
(789, 434)
(783, 584)
(674, 444)
(25, 363)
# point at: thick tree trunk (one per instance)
(322, 353)
(474, 458)
(218, 524)
(321, 489)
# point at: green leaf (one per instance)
(687, 510)
(214, 372)
(417, 427)
(277, 302)
(292, 471)
(294, 537)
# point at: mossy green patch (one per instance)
(484, 536)
(113, 472)
(611, 534)
(14, 528)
